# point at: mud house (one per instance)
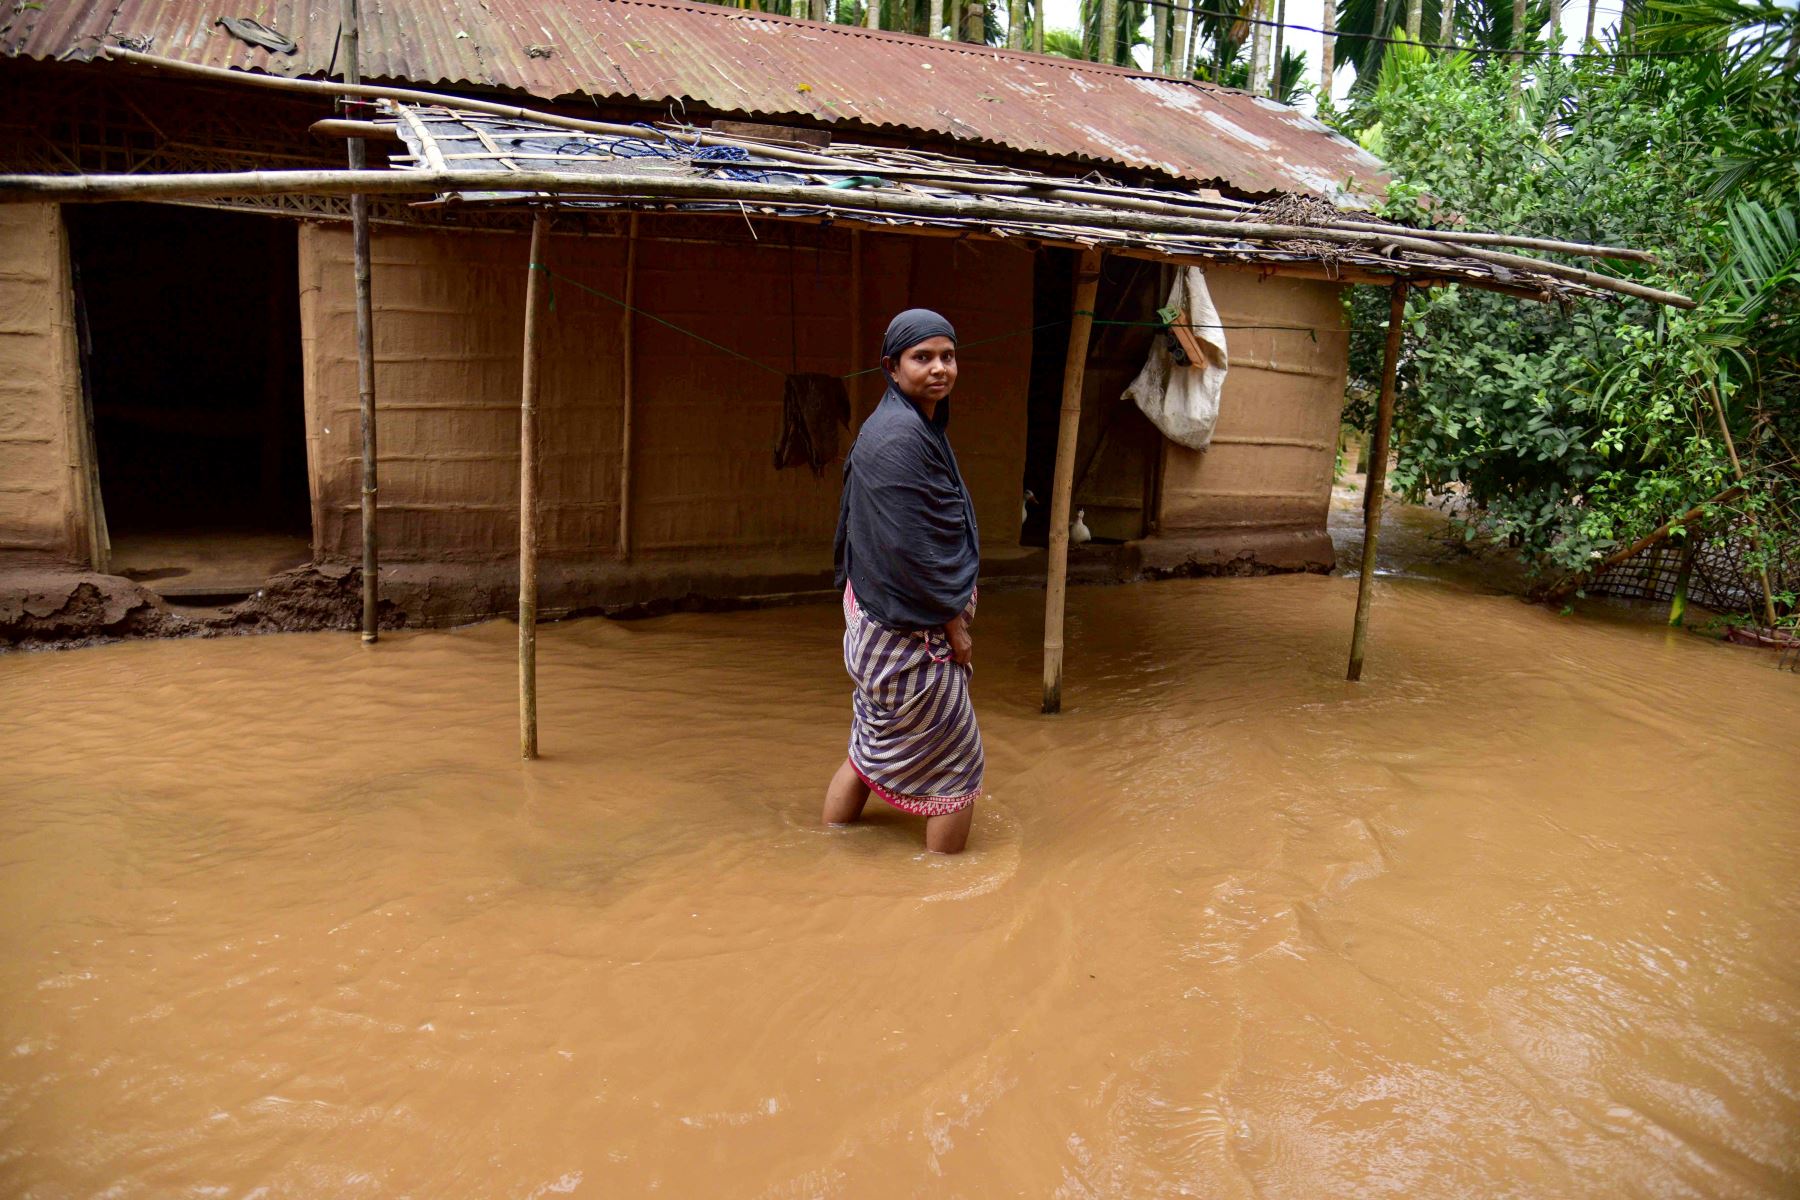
(180, 391)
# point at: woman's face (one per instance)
(925, 373)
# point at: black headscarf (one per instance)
(906, 535)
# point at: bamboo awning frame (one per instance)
(476, 152)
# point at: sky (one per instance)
(1065, 14)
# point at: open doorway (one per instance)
(190, 322)
(1119, 451)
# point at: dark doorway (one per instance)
(191, 361)
(1119, 449)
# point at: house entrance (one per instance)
(190, 344)
(1119, 450)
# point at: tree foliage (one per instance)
(1574, 431)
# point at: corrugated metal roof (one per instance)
(754, 65)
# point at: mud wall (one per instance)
(1270, 461)
(449, 313)
(44, 502)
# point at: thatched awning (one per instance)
(474, 158)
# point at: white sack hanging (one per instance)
(1183, 401)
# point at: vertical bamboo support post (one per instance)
(1377, 477)
(1056, 583)
(856, 330)
(348, 50)
(1737, 469)
(528, 492)
(627, 384)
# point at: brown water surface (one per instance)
(285, 916)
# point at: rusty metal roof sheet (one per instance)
(735, 62)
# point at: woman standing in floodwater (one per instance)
(907, 553)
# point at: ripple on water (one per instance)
(288, 914)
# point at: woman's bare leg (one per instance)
(949, 833)
(845, 797)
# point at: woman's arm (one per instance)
(962, 646)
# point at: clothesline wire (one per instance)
(1312, 332)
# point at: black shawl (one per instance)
(906, 535)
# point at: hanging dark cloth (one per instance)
(812, 409)
(907, 542)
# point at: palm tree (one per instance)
(1757, 84)
(1220, 33)
(1127, 23)
(1483, 24)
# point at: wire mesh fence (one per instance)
(1720, 577)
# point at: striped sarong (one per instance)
(913, 736)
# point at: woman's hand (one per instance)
(962, 646)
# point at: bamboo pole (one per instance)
(856, 330)
(368, 91)
(1037, 26)
(331, 127)
(18, 189)
(627, 385)
(1737, 469)
(357, 154)
(1376, 484)
(528, 491)
(1068, 430)
(822, 162)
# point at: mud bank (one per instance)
(70, 609)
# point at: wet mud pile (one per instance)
(71, 611)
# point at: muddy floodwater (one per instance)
(1517, 916)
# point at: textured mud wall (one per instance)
(43, 490)
(1270, 461)
(449, 311)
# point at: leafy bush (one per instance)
(1574, 431)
